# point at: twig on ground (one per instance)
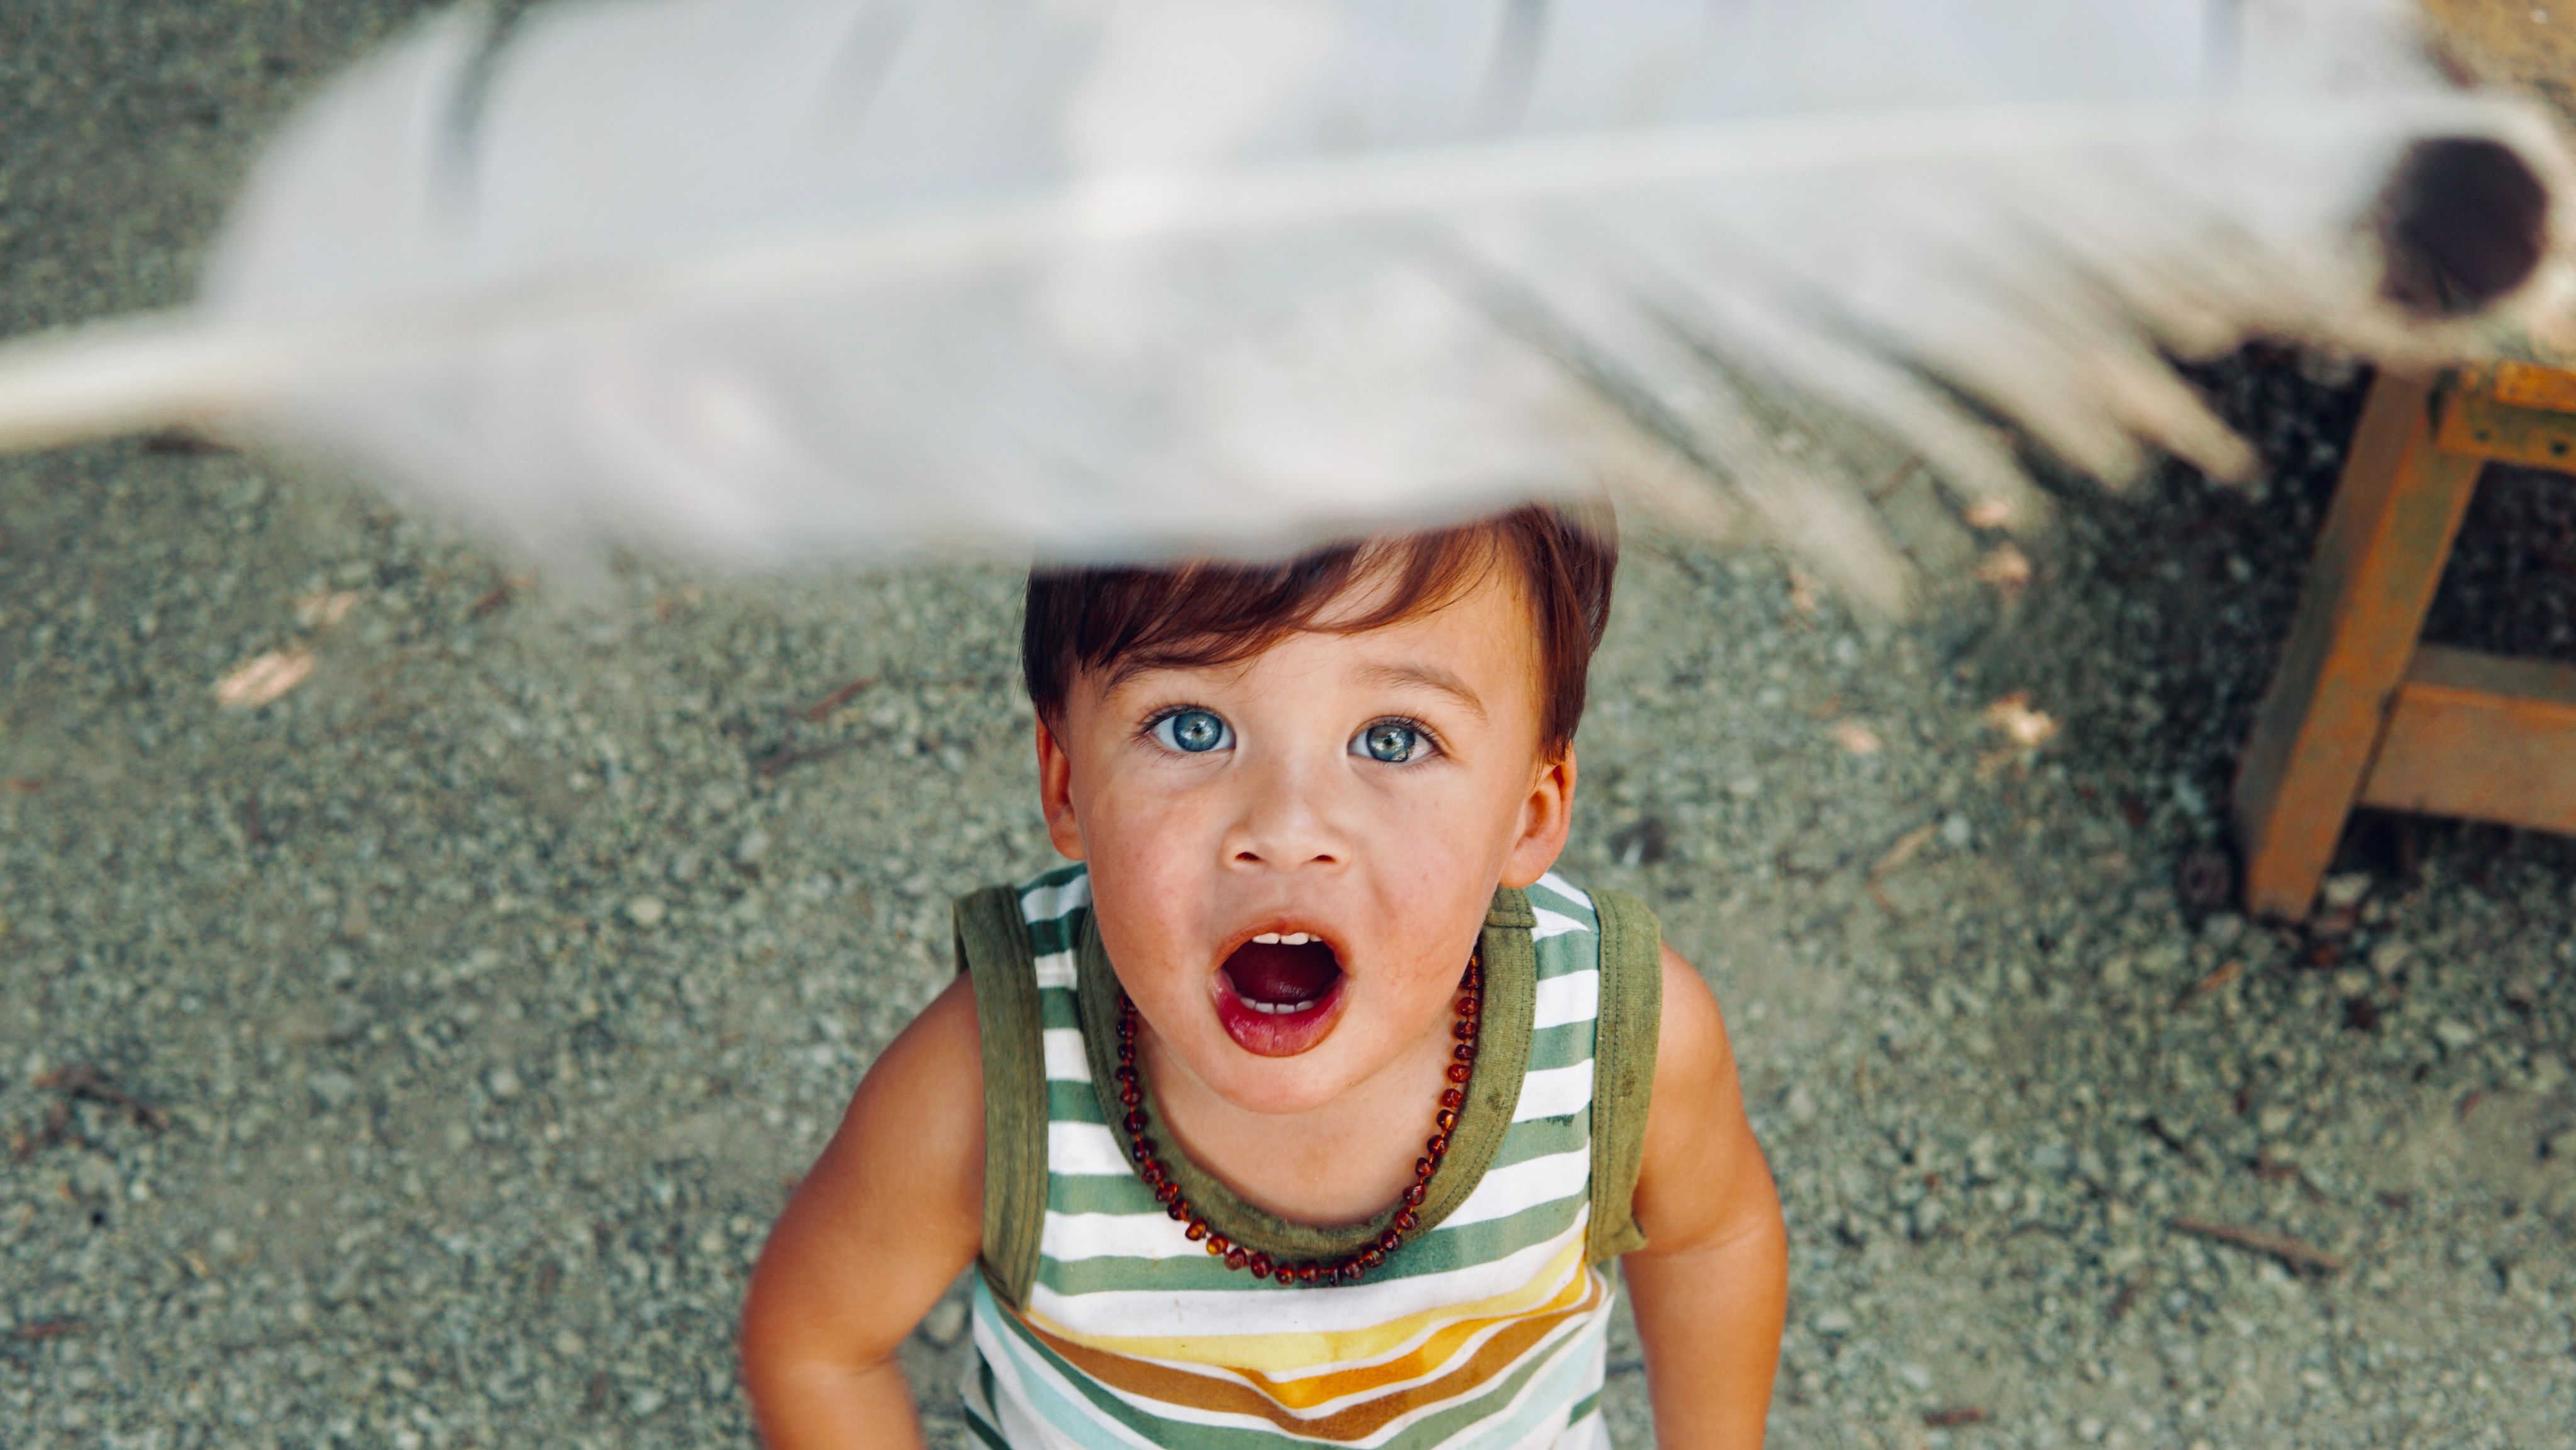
(1906, 848)
(493, 598)
(1954, 1417)
(2274, 1170)
(2288, 1250)
(2227, 972)
(2121, 1301)
(83, 1081)
(2155, 1128)
(836, 699)
(786, 759)
(43, 1329)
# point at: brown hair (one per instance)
(1213, 612)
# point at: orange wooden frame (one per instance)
(2358, 712)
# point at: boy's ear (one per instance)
(1055, 793)
(1547, 814)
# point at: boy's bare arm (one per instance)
(1712, 1284)
(871, 1238)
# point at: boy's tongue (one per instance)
(1282, 975)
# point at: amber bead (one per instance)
(1261, 1266)
(1463, 1031)
(1127, 1077)
(1457, 1072)
(1142, 1150)
(1136, 1121)
(1167, 1191)
(1219, 1245)
(1452, 1098)
(1351, 1271)
(1438, 1145)
(1128, 1094)
(1236, 1258)
(1176, 1208)
(1308, 1273)
(1373, 1256)
(1464, 1052)
(1419, 1191)
(1422, 1167)
(1445, 1120)
(1198, 1228)
(1389, 1241)
(1406, 1219)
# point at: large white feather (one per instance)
(798, 278)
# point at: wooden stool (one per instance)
(2359, 712)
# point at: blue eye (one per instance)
(1393, 741)
(1193, 732)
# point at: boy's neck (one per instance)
(1339, 1162)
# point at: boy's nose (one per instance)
(1283, 823)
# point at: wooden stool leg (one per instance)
(2378, 560)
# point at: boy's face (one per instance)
(1365, 790)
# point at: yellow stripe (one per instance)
(1287, 1356)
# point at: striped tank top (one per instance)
(1098, 1323)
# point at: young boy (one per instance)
(1307, 1107)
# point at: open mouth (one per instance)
(1276, 992)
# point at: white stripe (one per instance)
(1085, 1150)
(1055, 969)
(1555, 1092)
(1070, 1237)
(1574, 997)
(1046, 903)
(1503, 1192)
(1553, 923)
(1184, 1313)
(1565, 888)
(1064, 1058)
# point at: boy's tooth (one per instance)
(1274, 1009)
(1295, 939)
(1268, 938)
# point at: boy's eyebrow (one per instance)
(1430, 677)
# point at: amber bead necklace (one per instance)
(1349, 1267)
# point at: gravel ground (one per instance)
(417, 1058)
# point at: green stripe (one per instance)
(1072, 1102)
(983, 1433)
(1539, 1137)
(1561, 1046)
